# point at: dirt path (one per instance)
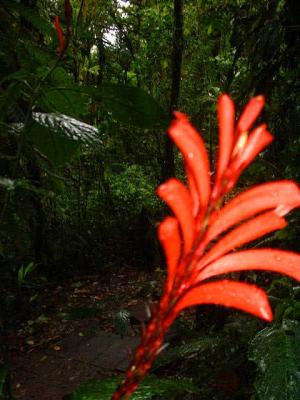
(61, 346)
(50, 374)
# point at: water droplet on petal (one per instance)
(190, 155)
(283, 209)
(264, 313)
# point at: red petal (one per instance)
(193, 191)
(194, 152)
(178, 198)
(226, 117)
(60, 34)
(248, 231)
(285, 194)
(250, 113)
(240, 144)
(284, 262)
(168, 234)
(256, 142)
(239, 295)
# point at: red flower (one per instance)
(64, 42)
(199, 240)
(60, 35)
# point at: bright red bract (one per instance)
(191, 239)
(239, 295)
(59, 34)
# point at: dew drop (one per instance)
(190, 155)
(264, 313)
(283, 209)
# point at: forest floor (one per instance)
(47, 357)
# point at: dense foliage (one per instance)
(82, 141)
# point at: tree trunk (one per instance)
(169, 165)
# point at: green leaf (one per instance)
(276, 352)
(56, 147)
(130, 105)
(177, 352)
(35, 58)
(61, 77)
(66, 99)
(62, 95)
(122, 322)
(104, 389)
(24, 271)
(33, 17)
(69, 127)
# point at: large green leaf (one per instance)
(58, 136)
(130, 105)
(103, 389)
(69, 127)
(60, 94)
(56, 147)
(276, 351)
(65, 99)
(192, 347)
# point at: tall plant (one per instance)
(199, 239)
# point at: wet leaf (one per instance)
(151, 386)
(276, 353)
(70, 127)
